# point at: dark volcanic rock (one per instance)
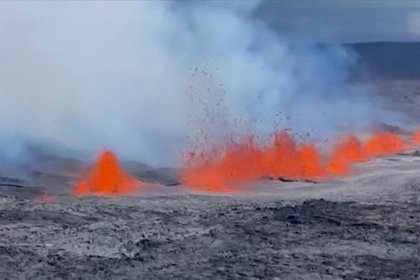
(163, 176)
(317, 239)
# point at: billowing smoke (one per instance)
(139, 77)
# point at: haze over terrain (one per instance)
(146, 79)
(150, 80)
(343, 21)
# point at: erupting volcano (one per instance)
(415, 138)
(346, 151)
(385, 143)
(107, 178)
(284, 158)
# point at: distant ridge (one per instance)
(389, 60)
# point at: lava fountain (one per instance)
(347, 150)
(284, 158)
(385, 143)
(106, 177)
(415, 138)
(245, 161)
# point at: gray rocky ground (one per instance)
(366, 226)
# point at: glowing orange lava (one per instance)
(202, 174)
(283, 158)
(384, 143)
(346, 151)
(107, 178)
(312, 165)
(415, 138)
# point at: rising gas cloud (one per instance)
(141, 77)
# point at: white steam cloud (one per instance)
(138, 77)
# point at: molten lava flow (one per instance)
(345, 152)
(107, 178)
(202, 173)
(216, 170)
(384, 143)
(246, 161)
(282, 158)
(312, 166)
(242, 161)
(415, 138)
(285, 159)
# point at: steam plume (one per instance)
(137, 77)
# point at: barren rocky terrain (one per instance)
(362, 227)
(365, 226)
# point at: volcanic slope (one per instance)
(365, 226)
